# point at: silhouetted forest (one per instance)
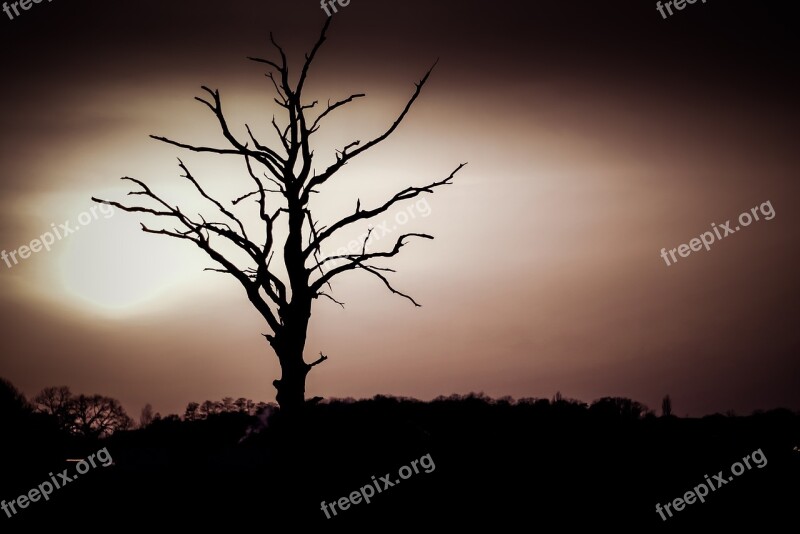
(532, 462)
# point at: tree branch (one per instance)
(219, 206)
(321, 294)
(321, 359)
(347, 156)
(202, 241)
(359, 215)
(388, 285)
(332, 107)
(310, 57)
(357, 260)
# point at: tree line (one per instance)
(100, 416)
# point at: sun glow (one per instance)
(108, 263)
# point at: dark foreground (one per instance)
(496, 464)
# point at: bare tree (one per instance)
(88, 415)
(98, 416)
(146, 416)
(283, 181)
(56, 401)
(666, 406)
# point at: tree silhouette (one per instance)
(87, 415)
(191, 412)
(666, 406)
(12, 401)
(56, 401)
(210, 408)
(618, 407)
(283, 182)
(146, 416)
(98, 416)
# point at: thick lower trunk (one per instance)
(289, 345)
(291, 387)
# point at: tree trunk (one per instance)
(290, 340)
(291, 387)
(289, 345)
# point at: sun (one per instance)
(110, 264)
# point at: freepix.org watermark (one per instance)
(48, 239)
(677, 4)
(25, 5)
(706, 239)
(385, 482)
(700, 492)
(45, 489)
(327, 5)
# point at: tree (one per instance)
(87, 415)
(58, 402)
(283, 181)
(191, 411)
(146, 416)
(98, 416)
(618, 407)
(227, 405)
(12, 401)
(245, 405)
(666, 406)
(209, 408)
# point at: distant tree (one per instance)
(666, 406)
(245, 405)
(618, 407)
(507, 400)
(227, 405)
(534, 402)
(58, 402)
(87, 415)
(98, 416)
(191, 413)
(146, 416)
(563, 403)
(12, 401)
(209, 408)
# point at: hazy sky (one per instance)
(596, 134)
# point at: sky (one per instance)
(596, 135)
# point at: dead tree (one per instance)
(283, 181)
